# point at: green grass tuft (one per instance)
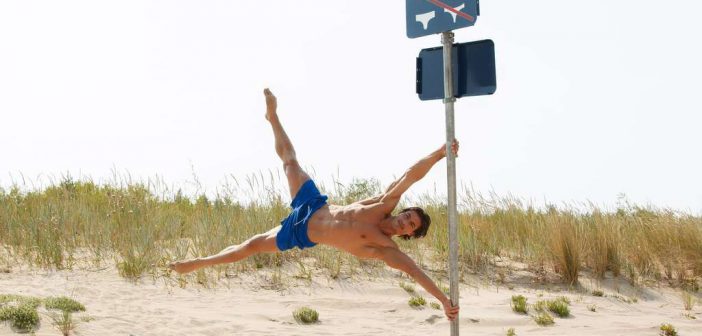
(64, 322)
(543, 319)
(23, 317)
(435, 305)
(667, 329)
(597, 292)
(559, 307)
(519, 304)
(540, 306)
(407, 287)
(511, 332)
(20, 299)
(688, 300)
(306, 315)
(417, 302)
(64, 304)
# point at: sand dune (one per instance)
(241, 306)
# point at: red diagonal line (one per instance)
(453, 10)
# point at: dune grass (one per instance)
(519, 304)
(63, 303)
(667, 329)
(140, 226)
(417, 302)
(306, 315)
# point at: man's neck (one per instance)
(385, 226)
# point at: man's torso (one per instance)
(352, 228)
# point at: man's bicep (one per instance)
(396, 259)
(398, 189)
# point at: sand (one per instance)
(246, 304)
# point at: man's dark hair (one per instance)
(421, 231)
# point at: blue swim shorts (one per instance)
(294, 227)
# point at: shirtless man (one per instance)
(364, 228)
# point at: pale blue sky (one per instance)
(594, 98)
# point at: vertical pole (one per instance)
(449, 99)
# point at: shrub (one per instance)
(543, 319)
(64, 304)
(417, 302)
(435, 305)
(407, 287)
(28, 300)
(519, 304)
(597, 292)
(541, 306)
(563, 299)
(559, 307)
(667, 329)
(306, 315)
(510, 332)
(23, 317)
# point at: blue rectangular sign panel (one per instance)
(426, 17)
(473, 70)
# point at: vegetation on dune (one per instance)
(519, 304)
(140, 229)
(22, 314)
(417, 302)
(64, 304)
(306, 315)
(668, 329)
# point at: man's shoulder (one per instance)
(381, 240)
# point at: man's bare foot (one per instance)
(186, 266)
(271, 104)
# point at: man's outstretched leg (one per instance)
(259, 243)
(296, 176)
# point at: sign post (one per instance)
(426, 17)
(449, 99)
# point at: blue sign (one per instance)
(426, 17)
(473, 66)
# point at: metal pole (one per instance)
(449, 99)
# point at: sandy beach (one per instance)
(246, 304)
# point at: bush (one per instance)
(667, 329)
(23, 317)
(598, 292)
(407, 287)
(28, 300)
(64, 304)
(540, 306)
(417, 302)
(519, 304)
(543, 319)
(436, 305)
(511, 332)
(559, 307)
(306, 315)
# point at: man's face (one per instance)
(406, 223)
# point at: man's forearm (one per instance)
(422, 167)
(426, 282)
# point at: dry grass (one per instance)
(141, 226)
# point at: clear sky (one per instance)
(594, 99)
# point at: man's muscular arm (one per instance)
(394, 258)
(376, 198)
(415, 173)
